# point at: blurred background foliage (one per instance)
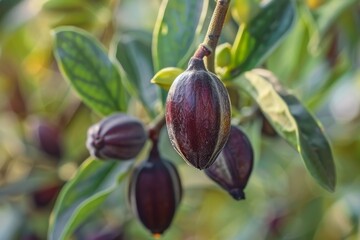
(42, 138)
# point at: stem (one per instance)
(155, 128)
(207, 48)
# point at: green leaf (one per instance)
(133, 51)
(292, 122)
(255, 41)
(315, 148)
(85, 64)
(166, 76)
(81, 196)
(178, 24)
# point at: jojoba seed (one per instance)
(198, 115)
(118, 136)
(47, 137)
(44, 196)
(155, 192)
(233, 167)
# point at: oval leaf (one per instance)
(178, 23)
(293, 123)
(85, 64)
(166, 76)
(255, 41)
(133, 51)
(81, 196)
(315, 148)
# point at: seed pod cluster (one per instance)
(198, 115)
(155, 192)
(118, 136)
(233, 167)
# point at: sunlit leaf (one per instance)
(177, 26)
(261, 35)
(293, 122)
(271, 103)
(85, 64)
(81, 196)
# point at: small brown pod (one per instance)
(118, 136)
(233, 167)
(155, 192)
(198, 115)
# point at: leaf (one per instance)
(315, 148)
(272, 105)
(81, 196)
(292, 122)
(133, 51)
(85, 64)
(255, 41)
(166, 76)
(178, 24)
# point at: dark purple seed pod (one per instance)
(48, 139)
(45, 195)
(118, 136)
(198, 115)
(155, 192)
(233, 167)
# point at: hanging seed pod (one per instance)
(48, 139)
(155, 192)
(233, 167)
(45, 195)
(118, 136)
(198, 115)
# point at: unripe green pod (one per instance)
(198, 115)
(223, 55)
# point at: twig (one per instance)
(155, 127)
(207, 48)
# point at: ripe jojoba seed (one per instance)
(198, 115)
(118, 136)
(48, 139)
(44, 196)
(233, 167)
(155, 192)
